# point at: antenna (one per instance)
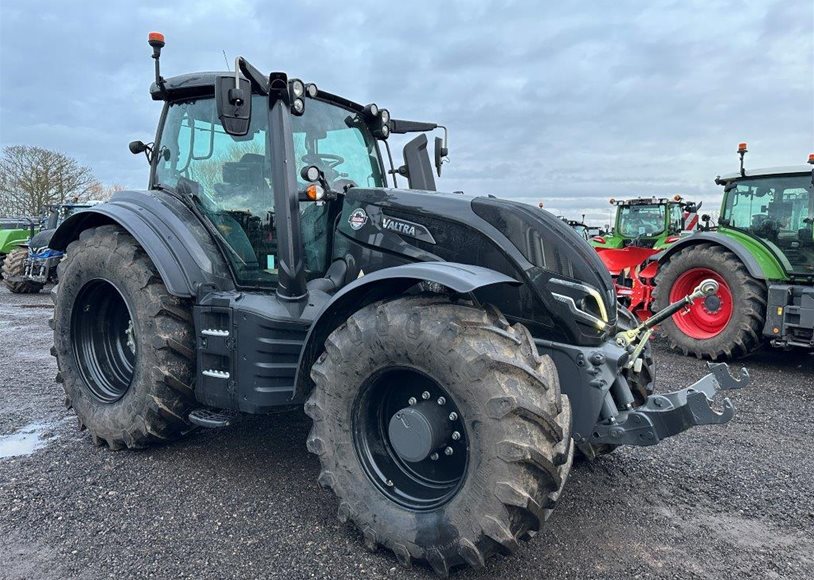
(226, 60)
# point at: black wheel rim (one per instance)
(104, 342)
(418, 485)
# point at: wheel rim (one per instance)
(391, 453)
(705, 318)
(104, 341)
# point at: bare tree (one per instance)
(32, 178)
(101, 192)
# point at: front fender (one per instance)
(178, 245)
(460, 278)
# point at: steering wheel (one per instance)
(329, 159)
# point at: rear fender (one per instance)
(386, 283)
(768, 268)
(178, 245)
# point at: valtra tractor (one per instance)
(451, 350)
(642, 228)
(761, 254)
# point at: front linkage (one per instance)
(665, 415)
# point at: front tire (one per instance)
(451, 367)
(14, 266)
(124, 345)
(726, 325)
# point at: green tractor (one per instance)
(761, 254)
(13, 232)
(643, 227)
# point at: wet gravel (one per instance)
(716, 502)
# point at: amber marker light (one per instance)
(314, 192)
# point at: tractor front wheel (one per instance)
(440, 429)
(124, 345)
(727, 324)
(14, 267)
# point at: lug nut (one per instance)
(434, 457)
(411, 401)
(455, 435)
(441, 400)
(448, 451)
(425, 395)
(453, 416)
(389, 483)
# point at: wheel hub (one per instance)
(415, 432)
(410, 437)
(712, 303)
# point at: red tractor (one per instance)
(643, 228)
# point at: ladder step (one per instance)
(212, 418)
(215, 374)
(214, 332)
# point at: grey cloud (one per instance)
(565, 102)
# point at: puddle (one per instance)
(26, 440)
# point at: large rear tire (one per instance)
(726, 325)
(124, 345)
(14, 266)
(478, 492)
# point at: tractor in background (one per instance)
(761, 254)
(13, 232)
(30, 264)
(642, 228)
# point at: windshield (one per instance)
(231, 177)
(644, 220)
(778, 210)
(338, 142)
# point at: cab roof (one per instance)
(202, 84)
(787, 170)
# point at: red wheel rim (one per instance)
(706, 317)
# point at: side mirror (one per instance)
(440, 153)
(234, 104)
(417, 165)
(137, 147)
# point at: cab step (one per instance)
(213, 418)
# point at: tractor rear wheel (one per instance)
(725, 325)
(124, 345)
(14, 266)
(440, 429)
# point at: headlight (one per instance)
(297, 88)
(298, 106)
(385, 116)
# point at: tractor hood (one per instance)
(567, 291)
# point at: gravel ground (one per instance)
(716, 502)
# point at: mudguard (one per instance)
(460, 278)
(179, 246)
(711, 237)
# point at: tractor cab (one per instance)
(775, 208)
(649, 222)
(227, 142)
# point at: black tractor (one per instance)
(450, 350)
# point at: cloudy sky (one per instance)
(570, 103)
